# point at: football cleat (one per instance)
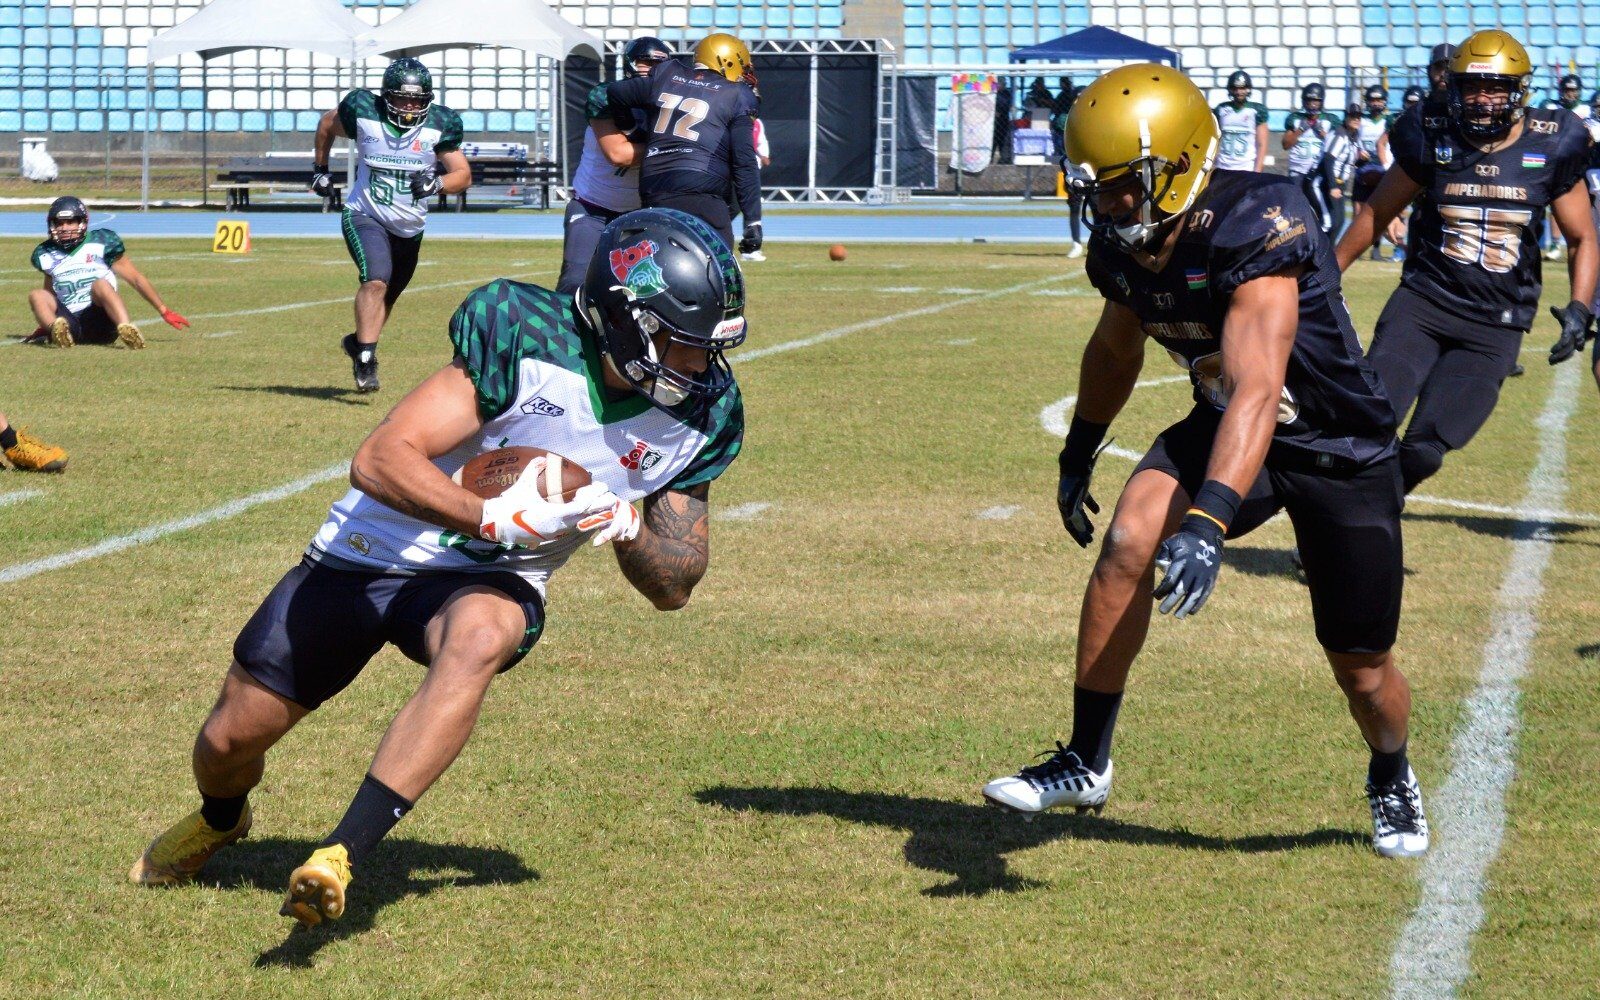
(1076, 251)
(30, 454)
(61, 332)
(316, 888)
(363, 362)
(1399, 825)
(177, 855)
(130, 336)
(1062, 780)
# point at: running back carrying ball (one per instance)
(490, 474)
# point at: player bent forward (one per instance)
(1229, 273)
(627, 379)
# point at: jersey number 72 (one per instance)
(692, 111)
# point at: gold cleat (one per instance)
(130, 336)
(177, 856)
(30, 454)
(316, 888)
(61, 332)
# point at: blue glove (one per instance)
(1190, 561)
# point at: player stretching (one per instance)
(79, 303)
(628, 380)
(401, 141)
(1450, 333)
(1227, 271)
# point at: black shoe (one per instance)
(364, 360)
(1517, 371)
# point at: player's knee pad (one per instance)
(1419, 460)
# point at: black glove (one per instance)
(1190, 561)
(425, 183)
(752, 238)
(1072, 493)
(321, 180)
(1575, 321)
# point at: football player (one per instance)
(80, 303)
(702, 136)
(1058, 130)
(1569, 97)
(1305, 135)
(27, 453)
(1450, 333)
(627, 379)
(1244, 127)
(1227, 272)
(602, 190)
(408, 152)
(1372, 157)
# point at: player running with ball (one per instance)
(1227, 271)
(625, 379)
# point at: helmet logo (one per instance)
(1480, 67)
(636, 268)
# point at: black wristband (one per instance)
(1218, 502)
(1083, 437)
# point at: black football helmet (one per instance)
(1413, 96)
(409, 81)
(1239, 85)
(1312, 92)
(646, 50)
(1377, 98)
(67, 222)
(655, 271)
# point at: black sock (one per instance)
(8, 437)
(220, 813)
(1387, 768)
(372, 814)
(1094, 716)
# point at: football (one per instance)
(836, 252)
(492, 473)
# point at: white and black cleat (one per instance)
(363, 362)
(1061, 780)
(1399, 825)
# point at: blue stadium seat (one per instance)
(225, 121)
(85, 99)
(916, 38)
(34, 57)
(306, 121)
(10, 18)
(63, 121)
(35, 17)
(169, 121)
(1429, 16)
(967, 17)
(472, 121)
(117, 99)
(1538, 13)
(1402, 16)
(942, 56)
(10, 37)
(915, 57)
(33, 99)
(498, 121)
(59, 100)
(777, 17)
(916, 17)
(750, 18)
(992, 37)
(283, 121)
(1403, 36)
(1050, 17)
(1456, 17)
(191, 99)
(525, 121)
(700, 17)
(941, 17)
(830, 17)
(91, 121)
(1569, 35)
(166, 100)
(1374, 17)
(805, 18)
(943, 37)
(10, 121)
(36, 36)
(114, 57)
(1541, 35)
(119, 121)
(35, 121)
(88, 57)
(968, 37)
(62, 36)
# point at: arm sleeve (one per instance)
(1100, 277)
(1408, 145)
(745, 167)
(491, 356)
(115, 250)
(1269, 233)
(356, 104)
(727, 421)
(623, 97)
(450, 132)
(1572, 158)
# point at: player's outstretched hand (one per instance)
(1073, 498)
(522, 516)
(1190, 561)
(1575, 320)
(425, 183)
(321, 180)
(174, 319)
(752, 238)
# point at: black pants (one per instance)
(1449, 366)
(708, 208)
(1311, 184)
(90, 325)
(584, 224)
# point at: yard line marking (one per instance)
(1004, 512)
(224, 333)
(869, 324)
(7, 499)
(1053, 418)
(290, 306)
(1432, 956)
(745, 511)
(22, 571)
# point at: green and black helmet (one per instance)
(407, 92)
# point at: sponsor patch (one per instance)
(642, 458)
(542, 407)
(1196, 278)
(636, 268)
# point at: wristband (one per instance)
(1217, 503)
(1083, 437)
(320, 168)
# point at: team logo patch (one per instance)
(1122, 283)
(1196, 277)
(540, 406)
(642, 458)
(1285, 227)
(359, 543)
(1442, 155)
(1533, 161)
(416, 145)
(636, 267)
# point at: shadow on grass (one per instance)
(399, 868)
(1256, 561)
(970, 841)
(1510, 528)
(348, 397)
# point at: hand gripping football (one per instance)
(488, 475)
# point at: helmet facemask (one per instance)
(67, 224)
(413, 112)
(1493, 116)
(1138, 229)
(630, 339)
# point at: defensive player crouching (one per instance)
(1227, 271)
(628, 380)
(79, 303)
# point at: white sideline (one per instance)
(1431, 958)
(7, 499)
(744, 511)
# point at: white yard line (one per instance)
(1432, 957)
(745, 511)
(1004, 512)
(7, 499)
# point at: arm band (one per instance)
(1083, 437)
(1217, 502)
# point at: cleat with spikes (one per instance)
(30, 454)
(363, 363)
(130, 336)
(316, 888)
(61, 332)
(1062, 780)
(177, 855)
(1399, 824)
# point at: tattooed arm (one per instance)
(393, 465)
(674, 545)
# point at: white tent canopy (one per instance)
(434, 25)
(225, 26)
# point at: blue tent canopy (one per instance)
(1094, 45)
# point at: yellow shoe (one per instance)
(32, 455)
(316, 888)
(130, 336)
(178, 855)
(60, 332)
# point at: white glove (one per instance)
(623, 526)
(520, 516)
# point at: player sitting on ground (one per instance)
(27, 453)
(626, 379)
(1227, 271)
(79, 303)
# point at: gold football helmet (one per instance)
(1492, 55)
(1151, 122)
(727, 55)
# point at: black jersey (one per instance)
(1245, 226)
(702, 135)
(1473, 246)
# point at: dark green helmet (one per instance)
(407, 92)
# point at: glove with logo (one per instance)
(522, 516)
(1078, 457)
(1191, 560)
(321, 180)
(751, 243)
(1575, 321)
(425, 183)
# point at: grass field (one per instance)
(774, 791)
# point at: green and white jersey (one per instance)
(1371, 129)
(538, 380)
(73, 272)
(1238, 124)
(1305, 154)
(387, 157)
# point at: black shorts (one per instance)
(379, 254)
(89, 325)
(1365, 182)
(584, 224)
(708, 208)
(1346, 521)
(320, 626)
